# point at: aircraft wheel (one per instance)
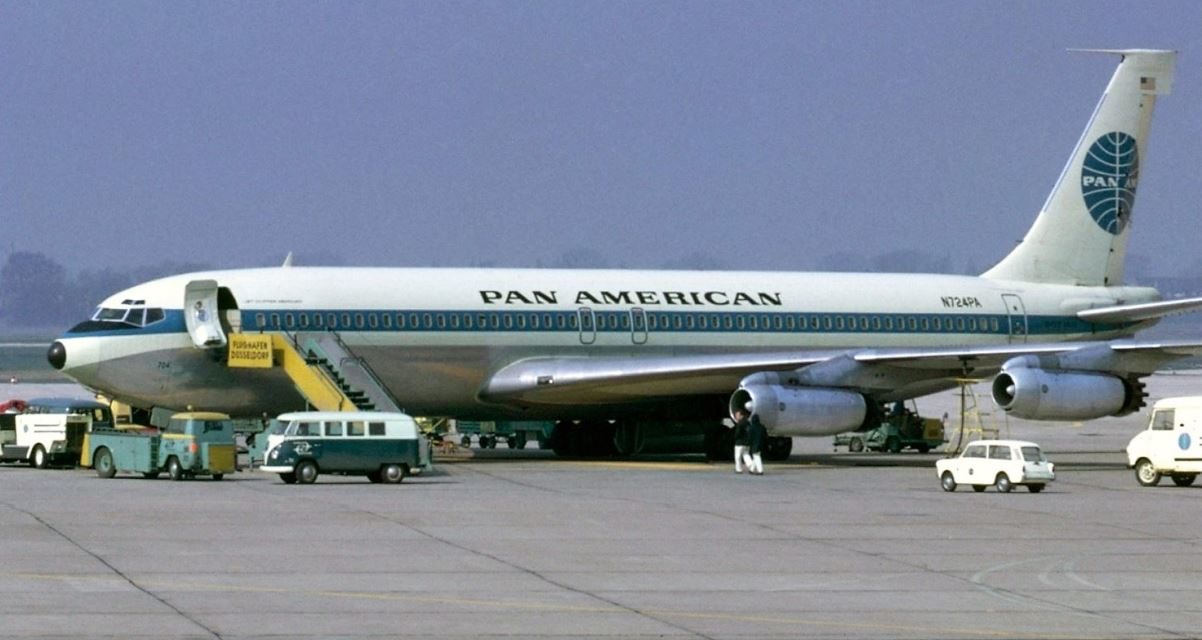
(392, 473)
(1146, 474)
(103, 461)
(306, 472)
(947, 481)
(38, 459)
(1003, 483)
(174, 469)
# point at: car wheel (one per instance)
(923, 448)
(288, 478)
(306, 472)
(465, 441)
(1035, 488)
(218, 476)
(1184, 479)
(38, 459)
(1003, 483)
(392, 473)
(856, 445)
(174, 469)
(103, 461)
(947, 481)
(150, 475)
(978, 488)
(1146, 474)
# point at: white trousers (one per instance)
(755, 464)
(740, 453)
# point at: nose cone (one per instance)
(57, 355)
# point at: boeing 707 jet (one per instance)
(623, 359)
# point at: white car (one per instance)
(1001, 463)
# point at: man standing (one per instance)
(740, 438)
(757, 437)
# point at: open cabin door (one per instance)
(201, 315)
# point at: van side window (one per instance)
(1001, 452)
(375, 428)
(333, 428)
(975, 452)
(355, 428)
(307, 429)
(1163, 420)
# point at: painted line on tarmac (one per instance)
(510, 605)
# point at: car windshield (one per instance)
(1033, 454)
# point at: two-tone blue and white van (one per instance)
(385, 447)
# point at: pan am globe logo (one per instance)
(1109, 176)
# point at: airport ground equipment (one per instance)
(51, 431)
(384, 447)
(1171, 445)
(193, 444)
(515, 434)
(902, 428)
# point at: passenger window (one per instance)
(441, 320)
(827, 323)
(1032, 454)
(386, 320)
(508, 321)
(839, 323)
(1163, 420)
(373, 320)
(261, 320)
(999, 452)
(332, 320)
(375, 428)
(728, 322)
(304, 321)
(993, 325)
(358, 320)
(346, 321)
(802, 323)
(356, 428)
(778, 322)
(319, 320)
(975, 452)
(522, 320)
(306, 429)
(289, 320)
(333, 428)
(275, 321)
(400, 321)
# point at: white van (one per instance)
(384, 447)
(1171, 445)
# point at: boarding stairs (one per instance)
(329, 375)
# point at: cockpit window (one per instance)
(137, 317)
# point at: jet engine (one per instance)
(802, 411)
(1039, 394)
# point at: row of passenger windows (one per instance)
(624, 321)
(336, 428)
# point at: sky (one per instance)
(746, 135)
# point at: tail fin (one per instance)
(1080, 236)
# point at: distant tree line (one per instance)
(36, 292)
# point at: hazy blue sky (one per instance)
(763, 135)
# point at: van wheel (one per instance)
(374, 477)
(1035, 488)
(392, 473)
(1184, 479)
(174, 469)
(103, 461)
(1146, 474)
(1003, 483)
(38, 459)
(218, 476)
(150, 475)
(306, 472)
(948, 482)
(288, 478)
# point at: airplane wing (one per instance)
(889, 374)
(1139, 312)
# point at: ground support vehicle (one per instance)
(1002, 464)
(193, 444)
(51, 431)
(383, 446)
(1171, 445)
(901, 429)
(515, 433)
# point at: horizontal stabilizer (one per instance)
(1139, 312)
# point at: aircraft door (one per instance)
(638, 326)
(588, 327)
(201, 315)
(1016, 314)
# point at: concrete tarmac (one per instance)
(520, 544)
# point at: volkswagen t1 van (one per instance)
(1171, 445)
(384, 447)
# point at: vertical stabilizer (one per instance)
(1080, 236)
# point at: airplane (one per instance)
(626, 358)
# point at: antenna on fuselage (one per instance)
(287, 260)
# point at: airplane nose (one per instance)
(57, 355)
